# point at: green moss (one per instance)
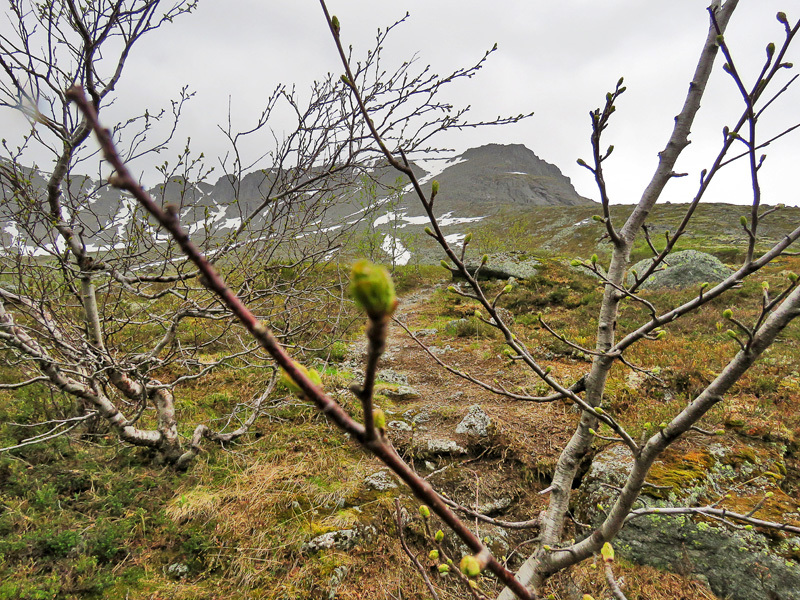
(679, 473)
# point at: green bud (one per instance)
(452, 289)
(765, 285)
(661, 335)
(468, 239)
(792, 277)
(748, 528)
(379, 419)
(599, 410)
(727, 313)
(743, 221)
(470, 566)
(598, 218)
(335, 23)
(508, 289)
(719, 432)
(372, 288)
(548, 370)
(439, 536)
(575, 263)
(478, 314)
(648, 425)
(484, 259)
(424, 511)
(345, 79)
(781, 16)
(587, 597)
(429, 231)
(720, 38)
(582, 162)
(433, 555)
(444, 569)
(546, 547)
(770, 49)
(769, 494)
(731, 334)
(608, 552)
(594, 259)
(445, 264)
(434, 188)
(592, 431)
(287, 381)
(662, 425)
(704, 285)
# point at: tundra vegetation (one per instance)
(115, 318)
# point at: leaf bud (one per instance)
(468, 239)
(575, 262)
(765, 285)
(600, 507)
(433, 555)
(345, 79)
(548, 370)
(743, 221)
(608, 552)
(662, 425)
(478, 314)
(445, 265)
(599, 410)
(424, 512)
(470, 566)
(719, 432)
(335, 24)
(444, 569)
(546, 547)
(434, 188)
(781, 16)
(451, 289)
(770, 50)
(731, 334)
(704, 285)
(769, 494)
(748, 528)
(661, 335)
(484, 259)
(372, 288)
(429, 231)
(727, 313)
(720, 38)
(648, 425)
(582, 162)
(439, 535)
(598, 218)
(379, 419)
(312, 375)
(508, 289)
(792, 277)
(594, 259)
(592, 431)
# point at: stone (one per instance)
(477, 422)
(343, 539)
(495, 506)
(390, 376)
(733, 562)
(380, 481)
(437, 447)
(505, 266)
(176, 571)
(681, 270)
(403, 392)
(400, 426)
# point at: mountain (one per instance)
(496, 175)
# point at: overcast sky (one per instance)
(557, 59)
